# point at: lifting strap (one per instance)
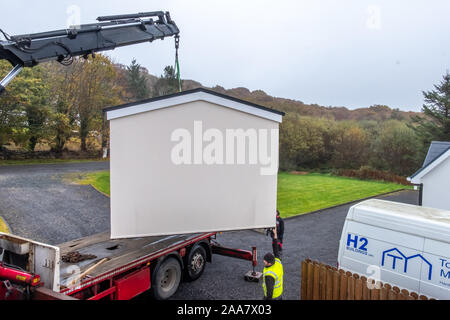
(177, 62)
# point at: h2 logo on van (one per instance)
(357, 244)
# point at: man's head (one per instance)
(269, 260)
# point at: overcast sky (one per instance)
(351, 53)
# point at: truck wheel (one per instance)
(196, 263)
(167, 279)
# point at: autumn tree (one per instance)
(351, 146)
(97, 89)
(396, 149)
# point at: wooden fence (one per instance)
(323, 282)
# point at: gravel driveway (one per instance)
(39, 205)
(315, 236)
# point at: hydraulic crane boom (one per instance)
(63, 45)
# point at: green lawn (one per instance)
(302, 194)
(99, 180)
(297, 194)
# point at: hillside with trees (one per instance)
(53, 108)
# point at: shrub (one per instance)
(368, 173)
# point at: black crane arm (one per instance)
(63, 45)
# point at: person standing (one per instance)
(272, 278)
(277, 241)
(280, 230)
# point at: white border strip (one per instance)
(196, 96)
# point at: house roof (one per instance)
(437, 148)
(438, 152)
(191, 96)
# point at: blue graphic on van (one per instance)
(357, 244)
(400, 256)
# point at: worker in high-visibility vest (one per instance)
(273, 274)
(272, 278)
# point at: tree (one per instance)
(64, 95)
(167, 83)
(79, 93)
(24, 108)
(435, 125)
(96, 89)
(396, 149)
(37, 110)
(137, 82)
(351, 146)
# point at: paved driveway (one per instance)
(38, 205)
(315, 236)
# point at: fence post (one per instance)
(316, 283)
(365, 289)
(323, 282)
(336, 283)
(304, 288)
(309, 283)
(329, 281)
(342, 285)
(358, 287)
(350, 286)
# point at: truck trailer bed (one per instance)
(120, 254)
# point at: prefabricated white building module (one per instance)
(192, 162)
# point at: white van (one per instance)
(403, 245)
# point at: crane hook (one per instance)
(177, 62)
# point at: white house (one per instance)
(434, 177)
(191, 162)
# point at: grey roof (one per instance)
(437, 149)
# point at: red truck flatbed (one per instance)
(110, 269)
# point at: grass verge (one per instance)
(44, 161)
(98, 180)
(4, 227)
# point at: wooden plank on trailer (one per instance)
(47, 294)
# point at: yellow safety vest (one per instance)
(275, 271)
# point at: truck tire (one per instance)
(196, 263)
(166, 279)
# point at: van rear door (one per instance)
(435, 277)
(382, 254)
